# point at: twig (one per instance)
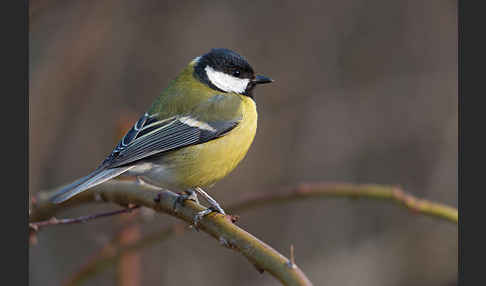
(291, 261)
(35, 226)
(352, 191)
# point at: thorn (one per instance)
(292, 257)
(233, 218)
(291, 262)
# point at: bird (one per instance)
(193, 135)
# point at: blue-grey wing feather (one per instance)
(162, 136)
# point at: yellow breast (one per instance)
(204, 164)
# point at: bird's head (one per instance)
(227, 71)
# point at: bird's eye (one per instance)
(236, 73)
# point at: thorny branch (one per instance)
(222, 228)
(304, 191)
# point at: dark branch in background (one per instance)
(112, 251)
(128, 266)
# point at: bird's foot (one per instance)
(191, 194)
(200, 215)
(215, 207)
(186, 195)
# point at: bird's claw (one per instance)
(191, 194)
(186, 195)
(200, 215)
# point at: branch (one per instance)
(35, 226)
(343, 190)
(220, 227)
(43, 209)
(112, 251)
(305, 191)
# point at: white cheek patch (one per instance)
(226, 82)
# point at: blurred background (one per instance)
(364, 92)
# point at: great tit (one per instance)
(194, 134)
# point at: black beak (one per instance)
(261, 79)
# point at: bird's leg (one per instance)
(186, 195)
(214, 206)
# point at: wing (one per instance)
(151, 136)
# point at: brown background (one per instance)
(364, 92)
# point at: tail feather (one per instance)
(95, 178)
